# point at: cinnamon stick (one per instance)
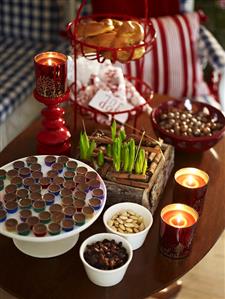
(132, 176)
(137, 184)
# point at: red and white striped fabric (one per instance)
(172, 67)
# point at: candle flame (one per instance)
(49, 61)
(179, 219)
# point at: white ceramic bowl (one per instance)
(105, 278)
(135, 239)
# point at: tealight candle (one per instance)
(51, 74)
(190, 187)
(178, 222)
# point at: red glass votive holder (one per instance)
(178, 223)
(190, 187)
(51, 74)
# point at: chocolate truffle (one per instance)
(49, 160)
(39, 230)
(69, 175)
(65, 192)
(32, 220)
(44, 217)
(11, 224)
(25, 214)
(11, 173)
(67, 224)
(22, 193)
(79, 179)
(58, 180)
(98, 193)
(79, 219)
(78, 204)
(67, 201)
(63, 160)
(83, 187)
(23, 229)
(24, 172)
(55, 208)
(69, 185)
(57, 217)
(49, 198)
(2, 174)
(93, 184)
(57, 167)
(91, 175)
(71, 165)
(27, 182)
(3, 215)
(54, 228)
(54, 189)
(95, 203)
(38, 206)
(52, 174)
(81, 170)
(25, 203)
(35, 196)
(69, 211)
(17, 180)
(88, 212)
(11, 207)
(11, 188)
(31, 160)
(44, 182)
(35, 167)
(79, 195)
(9, 197)
(36, 175)
(35, 188)
(18, 164)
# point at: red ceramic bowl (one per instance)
(187, 143)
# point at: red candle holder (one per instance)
(51, 90)
(178, 223)
(190, 187)
(51, 74)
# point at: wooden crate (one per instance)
(149, 194)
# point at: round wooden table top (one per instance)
(64, 276)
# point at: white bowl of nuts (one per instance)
(106, 258)
(130, 221)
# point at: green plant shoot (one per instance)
(109, 150)
(113, 130)
(117, 153)
(126, 157)
(145, 166)
(100, 158)
(122, 135)
(131, 145)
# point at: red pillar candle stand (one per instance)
(178, 223)
(51, 90)
(190, 187)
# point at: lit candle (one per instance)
(190, 188)
(191, 177)
(178, 222)
(51, 74)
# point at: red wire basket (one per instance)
(147, 93)
(97, 52)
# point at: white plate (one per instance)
(27, 243)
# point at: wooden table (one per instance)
(63, 277)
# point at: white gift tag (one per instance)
(105, 101)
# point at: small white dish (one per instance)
(135, 239)
(105, 278)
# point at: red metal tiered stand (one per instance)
(79, 49)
